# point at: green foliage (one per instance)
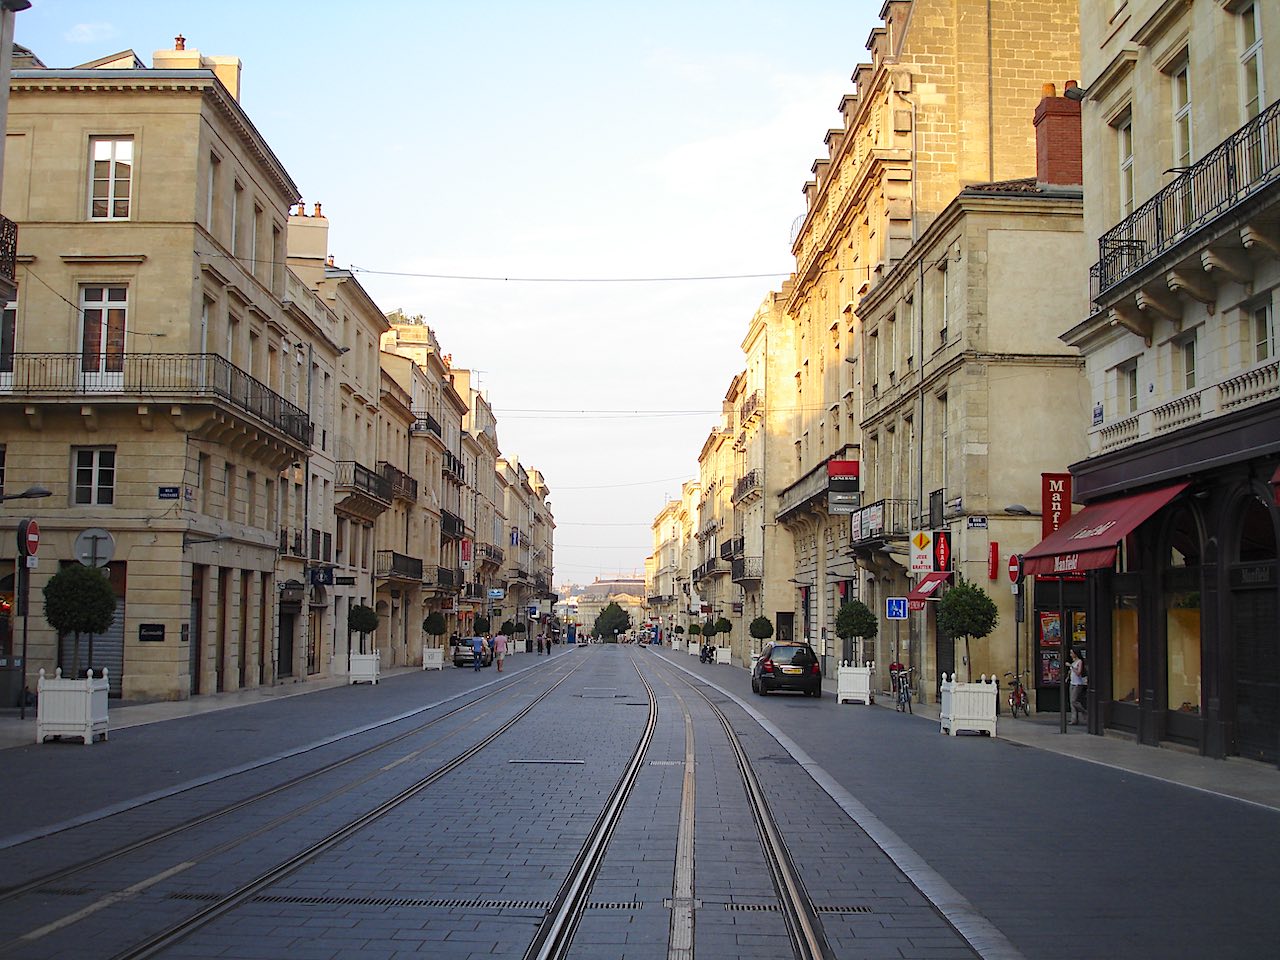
(521, 628)
(362, 619)
(724, 625)
(79, 599)
(679, 629)
(480, 625)
(709, 629)
(694, 630)
(855, 619)
(761, 628)
(434, 625)
(612, 618)
(508, 627)
(966, 611)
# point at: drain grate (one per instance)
(753, 907)
(65, 891)
(844, 909)
(547, 761)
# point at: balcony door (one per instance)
(104, 311)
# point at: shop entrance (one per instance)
(1255, 611)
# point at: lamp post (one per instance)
(21, 585)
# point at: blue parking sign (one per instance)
(895, 608)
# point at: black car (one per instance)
(787, 665)
(464, 656)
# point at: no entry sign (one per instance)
(1015, 567)
(28, 538)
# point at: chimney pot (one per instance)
(1058, 141)
(1048, 90)
(179, 42)
(330, 260)
(317, 213)
(1070, 85)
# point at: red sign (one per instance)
(993, 560)
(842, 468)
(941, 550)
(464, 550)
(28, 538)
(1055, 502)
(1015, 567)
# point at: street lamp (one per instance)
(31, 493)
(190, 540)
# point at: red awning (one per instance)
(927, 589)
(1088, 540)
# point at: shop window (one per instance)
(1182, 645)
(1124, 648)
(1257, 533)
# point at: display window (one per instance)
(1182, 640)
(1124, 648)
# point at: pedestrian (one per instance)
(500, 649)
(1079, 685)
(477, 649)
(539, 644)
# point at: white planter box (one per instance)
(364, 668)
(693, 646)
(722, 654)
(969, 706)
(855, 684)
(72, 708)
(433, 658)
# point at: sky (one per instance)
(587, 201)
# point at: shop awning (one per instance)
(1088, 541)
(927, 589)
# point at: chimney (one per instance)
(226, 69)
(1058, 150)
(307, 243)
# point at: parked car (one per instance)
(787, 665)
(464, 655)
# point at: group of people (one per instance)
(483, 648)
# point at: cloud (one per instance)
(91, 33)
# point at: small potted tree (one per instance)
(434, 626)
(761, 629)
(679, 637)
(967, 611)
(724, 626)
(364, 667)
(695, 637)
(77, 599)
(855, 622)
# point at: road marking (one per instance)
(107, 901)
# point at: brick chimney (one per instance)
(1057, 122)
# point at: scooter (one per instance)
(707, 654)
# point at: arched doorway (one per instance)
(1181, 659)
(1255, 616)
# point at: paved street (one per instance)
(1004, 855)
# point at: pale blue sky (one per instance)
(542, 140)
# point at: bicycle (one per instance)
(902, 681)
(1018, 699)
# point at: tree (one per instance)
(434, 625)
(724, 625)
(480, 625)
(611, 621)
(679, 629)
(79, 599)
(966, 611)
(694, 630)
(508, 627)
(855, 620)
(709, 629)
(362, 620)
(761, 628)
(521, 628)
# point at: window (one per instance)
(1, 470)
(1188, 355)
(1124, 137)
(111, 163)
(1127, 387)
(237, 198)
(1251, 84)
(8, 334)
(1264, 333)
(104, 312)
(94, 482)
(211, 190)
(1181, 81)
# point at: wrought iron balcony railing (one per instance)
(402, 485)
(473, 591)
(8, 255)
(748, 482)
(747, 569)
(488, 553)
(426, 423)
(709, 568)
(445, 577)
(353, 475)
(453, 467)
(751, 406)
(1235, 170)
(731, 548)
(451, 525)
(133, 375)
(882, 520)
(391, 565)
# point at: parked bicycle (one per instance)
(902, 683)
(1018, 699)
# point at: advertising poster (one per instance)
(1050, 664)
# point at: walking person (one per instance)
(1079, 686)
(539, 644)
(477, 648)
(500, 649)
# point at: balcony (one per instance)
(451, 526)
(882, 521)
(1237, 170)
(141, 377)
(453, 468)
(808, 491)
(731, 548)
(360, 491)
(403, 486)
(450, 578)
(8, 259)
(747, 570)
(661, 599)
(748, 483)
(488, 553)
(473, 591)
(426, 423)
(753, 406)
(389, 565)
(709, 569)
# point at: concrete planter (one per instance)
(693, 647)
(722, 654)
(72, 708)
(364, 668)
(433, 658)
(968, 706)
(854, 684)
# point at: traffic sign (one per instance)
(895, 608)
(94, 547)
(1015, 567)
(28, 538)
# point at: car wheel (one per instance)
(764, 691)
(755, 686)
(817, 691)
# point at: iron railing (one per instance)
(473, 591)
(488, 553)
(749, 481)
(451, 524)
(133, 375)
(882, 520)
(402, 485)
(709, 568)
(350, 474)
(445, 577)
(426, 423)
(1239, 167)
(8, 253)
(731, 548)
(453, 466)
(746, 568)
(752, 405)
(391, 565)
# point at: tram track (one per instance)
(47, 881)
